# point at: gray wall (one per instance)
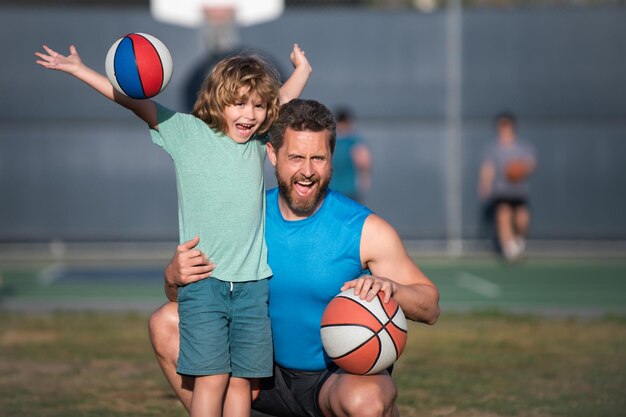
(75, 167)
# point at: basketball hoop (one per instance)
(220, 30)
(192, 13)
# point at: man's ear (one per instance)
(271, 153)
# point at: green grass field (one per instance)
(543, 338)
(474, 364)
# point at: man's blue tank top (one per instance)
(313, 257)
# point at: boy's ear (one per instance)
(271, 153)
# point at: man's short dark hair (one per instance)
(344, 114)
(301, 115)
(506, 116)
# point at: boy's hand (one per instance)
(298, 58)
(188, 265)
(292, 88)
(55, 61)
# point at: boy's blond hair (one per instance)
(221, 89)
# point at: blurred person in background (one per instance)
(504, 188)
(352, 160)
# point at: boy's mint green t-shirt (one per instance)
(221, 194)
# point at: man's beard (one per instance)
(302, 206)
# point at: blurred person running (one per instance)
(352, 159)
(503, 186)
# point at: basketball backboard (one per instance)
(191, 13)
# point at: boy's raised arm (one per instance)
(293, 87)
(73, 65)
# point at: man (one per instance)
(319, 243)
(503, 185)
(352, 159)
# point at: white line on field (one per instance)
(51, 273)
(478, 285)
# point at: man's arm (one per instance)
(394, 273)
(531, 164)
(485, 178)
(186, 266)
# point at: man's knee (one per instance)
(522, 213)
(163, 325)
(503, 210)
(371, 402)
(367, 400)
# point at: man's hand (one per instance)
(367, 286)
(187, 265)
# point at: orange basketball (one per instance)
(363, 337)
(516, 170)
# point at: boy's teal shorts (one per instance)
(225, 328)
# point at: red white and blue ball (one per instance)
(139, 65)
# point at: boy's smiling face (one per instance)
(245, 116)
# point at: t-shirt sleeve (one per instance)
(171, 128)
